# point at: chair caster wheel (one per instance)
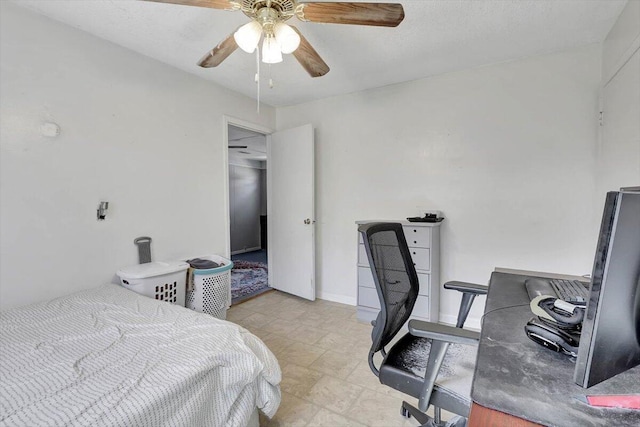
(404, 412)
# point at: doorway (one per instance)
(247, 166)
(289, 202)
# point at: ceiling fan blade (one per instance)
(377, 14)
(309, 58)
(215, 56)
(213, 4)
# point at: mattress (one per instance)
(109, 356)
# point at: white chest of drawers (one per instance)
(423, 239)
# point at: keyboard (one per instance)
(573, 291)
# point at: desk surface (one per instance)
(517, 376)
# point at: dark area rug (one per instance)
(248, 279)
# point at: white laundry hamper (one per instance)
(164, 281)
(211, 290)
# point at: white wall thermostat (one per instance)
(50, 130)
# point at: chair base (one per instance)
(408, 410)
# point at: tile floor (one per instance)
(322, 349)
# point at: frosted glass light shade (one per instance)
(248, 36)
(286, 37)
(271, 53)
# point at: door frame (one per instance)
(226, 121)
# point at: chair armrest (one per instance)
(471, 288)
(440, 332)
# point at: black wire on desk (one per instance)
(503, 308)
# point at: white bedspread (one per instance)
(108, 356)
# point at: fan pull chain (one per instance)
(257, 79)
(270, 79)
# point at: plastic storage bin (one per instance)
(211, 292)
(164, 281)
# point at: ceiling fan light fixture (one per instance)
(271, 53)
(248, 36)
(286, 37)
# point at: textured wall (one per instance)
(144, 136)
(507, 152)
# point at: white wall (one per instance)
(144, 136)
(619, 149)
(622, 40)
(507, 152)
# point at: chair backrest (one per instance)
(395, 278)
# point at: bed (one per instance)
(108, 356)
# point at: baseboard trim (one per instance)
(242, 251)
(342, 299)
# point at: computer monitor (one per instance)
(610, 341)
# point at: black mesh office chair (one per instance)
(433, 363)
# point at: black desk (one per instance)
(516, 376)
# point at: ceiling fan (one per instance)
(268, 23)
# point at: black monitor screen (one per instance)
(610, 341)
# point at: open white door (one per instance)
(291, 211)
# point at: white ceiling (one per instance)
(436, 36)
(256, 144)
